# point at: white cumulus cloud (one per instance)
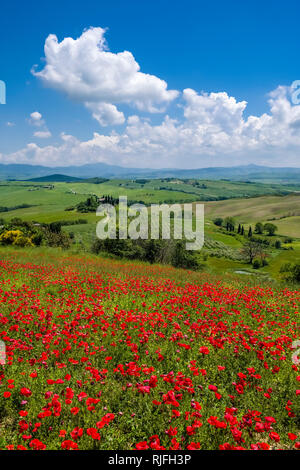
(36, 120)
(42, 134)
(212, 131)
(106, 113)
(85, 70)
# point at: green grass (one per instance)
(154, 191)
(214, 232)
(261, 209)
(255, 209)
(289, 226)
(48, 205)
(281, 257)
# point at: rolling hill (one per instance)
(242, 173)
(56, 178)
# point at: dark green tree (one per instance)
(270, 228)
(259, 228)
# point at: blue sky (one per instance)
(243, 49)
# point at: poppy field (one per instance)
(103, 354)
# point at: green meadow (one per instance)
(246, 202)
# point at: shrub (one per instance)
(56, 239)
(292, 271)
(218, 221)
(23, 241)
(184, 258)
(55, 227)
(15, 237)
(37, 239)
(256, 264)
(277, 244)
(90, 205)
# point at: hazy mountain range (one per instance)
(243, 172)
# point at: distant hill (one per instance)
(95, 180)
(254, 173)
(56, 178)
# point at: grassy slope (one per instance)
(255, 209)
(89, 317)
(63, 258)
(289, 226)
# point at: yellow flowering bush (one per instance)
(15, 237)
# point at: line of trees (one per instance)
(154, 251)
(255, 249)
(229, 223)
